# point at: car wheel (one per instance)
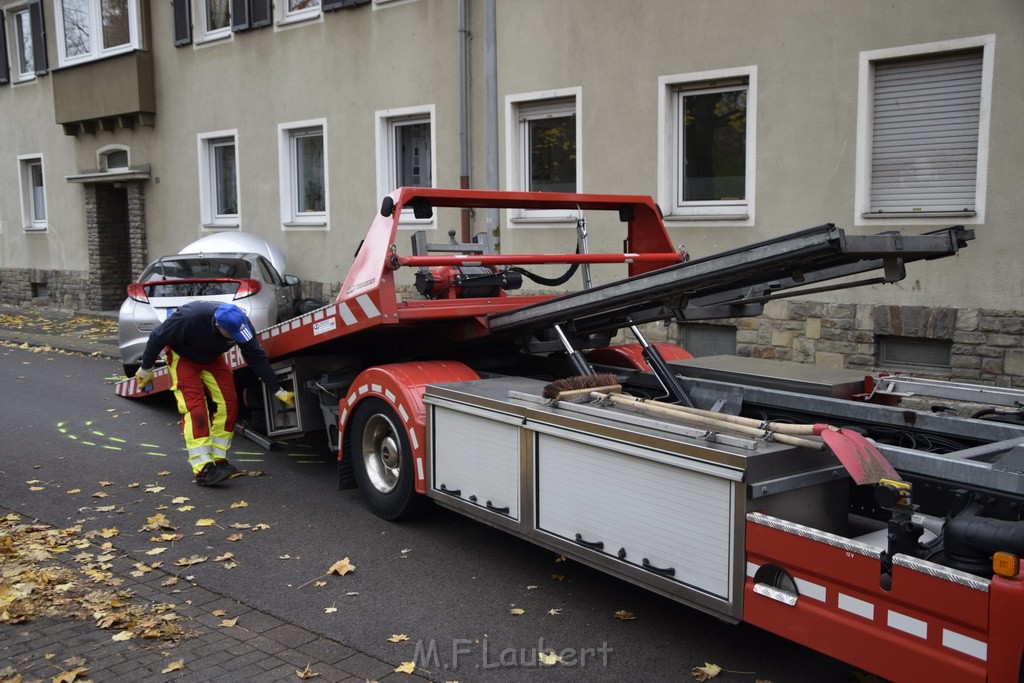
(303, 306)
(130, 369)
(382, 461)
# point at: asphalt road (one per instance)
(446, 582)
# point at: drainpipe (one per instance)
(464, 109)
(491, 109)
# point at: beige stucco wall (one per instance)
(346, 65)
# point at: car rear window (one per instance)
(189, 288)
(179, 269)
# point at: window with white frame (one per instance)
(543, 137)
(301, 9)
(707, 145)
(23, 44)
(405, 158)
(92, 29)
(302, 152)
(218, 180)
(923, 130)
(216, 18)
(33, 192)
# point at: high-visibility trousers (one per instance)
(207, 436)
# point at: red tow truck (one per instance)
(812, 503)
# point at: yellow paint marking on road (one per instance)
(114, 438)
(113, 448)
(162, 455)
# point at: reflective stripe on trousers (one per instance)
(207, 437)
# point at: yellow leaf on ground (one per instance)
(225, 556)
(154, 489)
(517, 610)
(306, 673)
(179, 500)
(228, 623)
(70, 676)
(548, 658)
(706, 672)
(406, 668)
(240, 504)
(99, 494)
(235, 537)
(341, 567)
(174, 666)
(122, 635)
(398, 638)
(624, 615)
(74, 491)
(206, 522)
(156, 551)
(109, 533)
(40, 488)
(330, 610)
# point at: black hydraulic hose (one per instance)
(969, 539)
(547, 281)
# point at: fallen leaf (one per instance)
(225, 556)
(235, 537)
(180, 500)
(330, 610)
(341, 567)
(186, 508)
(320, 584)
(98, 494)
(163, 473)
(73, 491)
(560, 558)
(152, 488)
(406, 668)
(517, 610)
(548, 658)
(261, 526)
(558, 577)
(307, 672)
(41, 488)
(624, 615)
(240, 525)
(106, 483)
(240, 504)
(555, 612)
(174, 666)
(109, 533)
(286, 556)
(228, 623)
(206, 522)
(189, 561)
(122, 635)
(706, 672)
(156, 551)
(105, 508)
(398, 638)
(69, 676)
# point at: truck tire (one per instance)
(382, 461)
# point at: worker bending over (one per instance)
(194, 339)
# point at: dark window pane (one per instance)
(115, 23)
(412, 149)
(714, 146)
(217, 14)
(553, 154)
(76, 27)
(226, 183)
(309, 162)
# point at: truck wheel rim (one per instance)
(382, 453)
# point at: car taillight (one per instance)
(137, 292)
(247, 288)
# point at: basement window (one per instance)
(911, 353)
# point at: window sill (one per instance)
(305, 225)
(36, 229)
(297, 20)
(921, 214)
(213, 39)
(220, 226)
(672, 218)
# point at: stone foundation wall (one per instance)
(986, 344)
(64, 290)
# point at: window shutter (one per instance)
(5, 70)
(182, 11)
(35, 14)
(927, 112)
(330, 5)
(239, 15)
(262, 13)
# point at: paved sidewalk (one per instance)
(68, 645)
(212, 638)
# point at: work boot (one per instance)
(211, 474)
(223, 464)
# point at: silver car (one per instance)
(247, 278)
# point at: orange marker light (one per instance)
(1005, 564)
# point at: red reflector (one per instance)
(247, 288)
(137, 292)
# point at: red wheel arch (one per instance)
(400, 385)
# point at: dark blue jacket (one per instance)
(190, 332)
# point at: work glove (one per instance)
(286, 397)
(143, 377)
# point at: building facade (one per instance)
(131, 128)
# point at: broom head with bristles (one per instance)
(580, 385)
